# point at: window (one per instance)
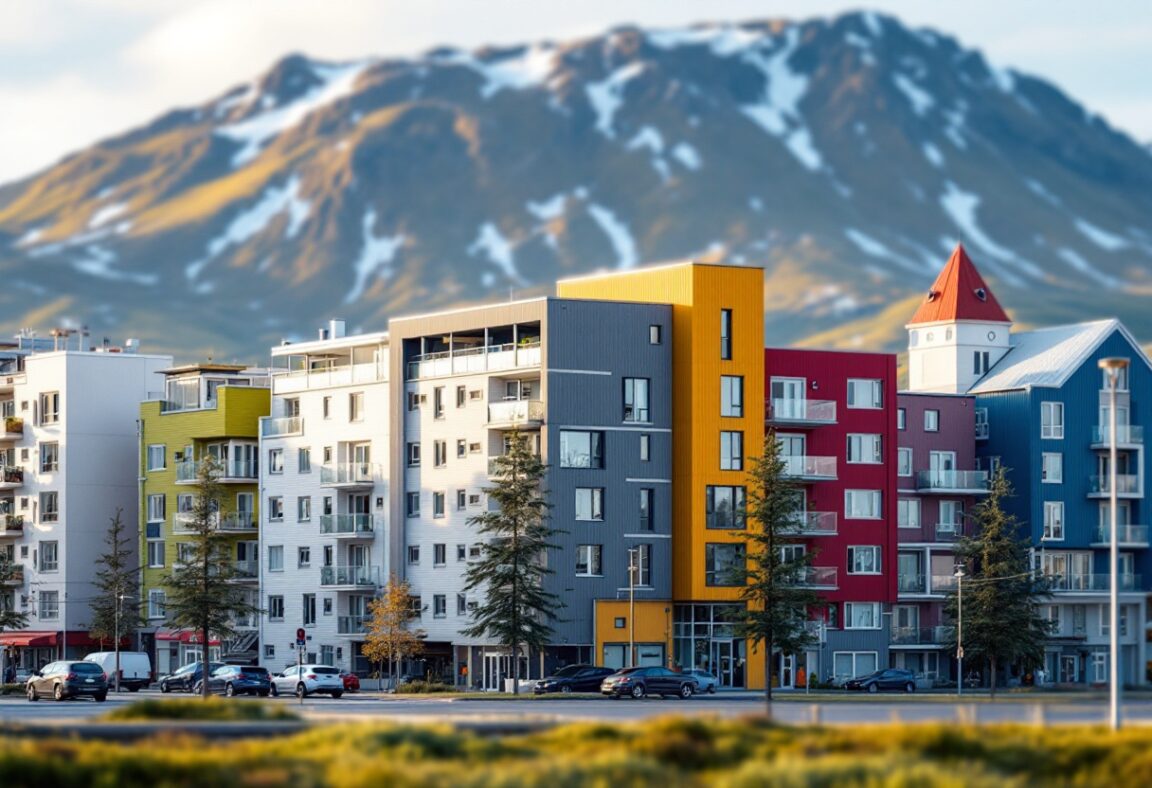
(864, 560)
(439, 454)
(581, 449)
(439, 554)
(413, 455)
(461, 500)
(931, 421)
(184, 552)
(413, 400)
(461, 605)
(326, 454)
(309, 601)
(980, 359)
(731, 395)
(908, 513)
(303, 556)
(49, 557)
(861, 615)
(49, 507)
(645, 448)
(641, 558)
(49, 605)
(157, 599)
(1054, 520)
(155, 553)
(461, 396)
(304, 460)
(724, 506)
(901, 419)
(588, 560)
(655, 334)
(473, 499)
(303, 509)
(438, 504)
(847, 664)
(726, 334)
(49, 457)
(416, 606)
(476, 394)
(439, 605)
(156, 508)
(951, 514)
(864, 448)
(461, 448)
(438, 402)
(864, 393)
(731, 451)
(475, 551)
(326, 407)
(413, 504)
(156, 457)
(275, 608)
(50, 408)
(647, 507)
(275, 461)
(636, 399)
(275, 508)
(461, 552)
(862, 504)
(903, 462)
(1052, 471)
(474, 448)
(276, 558)
(356, 406)
(1052, 420)
(723, 564)
(1121, 380)
(589, 503)
(413, 554)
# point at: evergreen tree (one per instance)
(778, 605)
(389, 639)
(1002, 622)
(117, 588)
(200, 596)
(10, 617)
(515, 610)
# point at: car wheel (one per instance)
(197, 688)
(134, 688)
(301, 690)
(638, 691)
(32, 696)
(263, 693)
(58, 692)
(873, 688)
(273, 692)
(685, 691)
(712, 689)
(229, 690)
(100, 697)
(164, 687)
(338, 694)
(909, 687)
(566, 689)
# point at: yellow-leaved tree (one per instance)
(389, 639)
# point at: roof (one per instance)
(959, 293)
(1047, 357)
(207, 366)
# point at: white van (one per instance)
(135, 668)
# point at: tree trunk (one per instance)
(992, 676)
(768, 678)
(205, 650)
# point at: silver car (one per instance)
(305, 680)
(705, 681)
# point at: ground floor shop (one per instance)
(32, 649)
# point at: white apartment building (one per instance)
(324, 528)
(68, 460)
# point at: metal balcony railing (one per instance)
(11, 525)
(16, 577)
(347, 524)
(351, 625)
(804, 467)
(800, 411)
(1126, 533)
(349, 575)
(922, 636)
(1130, 434)
(287, 425)
(952, 481)
(349, 473)
(487, 358)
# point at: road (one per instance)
(794, 710)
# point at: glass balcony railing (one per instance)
(800, 411)
(11, 476)
(948, 532)
(819, 577)
(922, 636)
(911, 584)
(1093, 582)
(188, 471)
(11, 524)
(349, 575)
(942, 584)
(516, 412)
(952, 481)
(803, 467)
(349, 473)
(347, 524)
(245, 570)
(525, 353)
(1126, 484)
(351, 625)
(15, 576)
(816, 523)
(287, 425)
(1127, 434)
(1126, 533)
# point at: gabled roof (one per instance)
(959, 293)
(1047, 357)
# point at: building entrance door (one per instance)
(1069, 669)
(722, 664)
(786, 670)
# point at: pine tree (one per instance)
(515, 610)
(389, 639)
(1002, 621)
(116, 603)
(778, 605)
(200, 596)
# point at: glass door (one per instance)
(792, 449)
(361, 461)
(1069, 669)
(246, 510)
(722, 665)
(942, 463)
(787, 398)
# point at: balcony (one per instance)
(922, 636)
(275, 428)
(1127, 435)
(952, 482)
(11, 477)
(800, 412)
(1092, 583)
(1127, 535)
(911, 584)
(11, 525)
(819, 577)
(245, 571)
(354, 526)
(982, 431)
(323, 377)
(943, 584)
(1127, 486)
(816, 524)
(230, 472)
(809, 468)
(16, 578)
(512, 414)
(228, 522)
(13, 428)
(948, 532)
(349, 475)
(350, 576)
(488, 358)
(352, 625)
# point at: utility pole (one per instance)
(631, 606)
(1112, 368)
(959, 630)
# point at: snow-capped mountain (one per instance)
(847, 156)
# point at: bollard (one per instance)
(814, 714)
(1040, 715)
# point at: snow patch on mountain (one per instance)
(530, 67)
(607, 96)
(687, 155)
(493, 245)
(1081, 265)
(1038, 189)
(376, 256)
(102, 216)
(618, 235)
(723, 40)
(547, 210)
(1109, 242)
(30, 238)
(920, 99)
(933, 155)
(651, 140)
(961, 206)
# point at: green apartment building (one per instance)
(206, 410)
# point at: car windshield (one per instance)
(257, 671)
(571, 670)
(86, 667)
(326, 671)
(626, 671)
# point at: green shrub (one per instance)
(11, 689)
(424, 688)
(212, 709)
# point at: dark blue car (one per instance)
(239, 680)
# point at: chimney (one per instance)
(323, 334)
(335, 329)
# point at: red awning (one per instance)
(28, 639)
(183, 637)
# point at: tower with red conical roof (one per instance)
(958, 332)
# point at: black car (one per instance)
(68, 679)
(890, 679)
(638, 682)
(186, 677)
(573, 678)
(238, 680)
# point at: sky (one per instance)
(75, 71)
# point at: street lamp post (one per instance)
(959, 630)
(632, 558)
(1112, 368)
(116, 640)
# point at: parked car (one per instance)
(705, 681)
(305, 680)
(638, 682)
(186, 677)
(889, 679)
(573, 678)
(68, 679)
(351, 682)
(135, 668)
(238, 680)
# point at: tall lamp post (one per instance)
(1112, 368)
(959, 629)
(116, 639)
(633, 558)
